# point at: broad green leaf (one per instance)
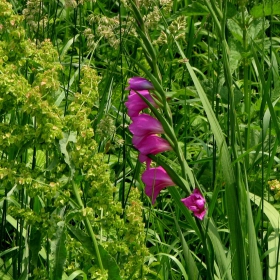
(68, 137)
(235, 29)
(35, 245)
(235, 51)
(195, 9)
(256, 27)
(4, 276)
(58, 250)
(265, 9)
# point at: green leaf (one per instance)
(235, 29)
(68, 45)
(4, 273)
(266, 9)
(255, 270)
(256, 27)
(68, 137)
(35, 245)
(223, 262)
(273, 239)
(77, 273)
(195, 9)
(191, 268)
(235, 54)
(4, 276)
(181, 267)
(58, 250)
(238, 96)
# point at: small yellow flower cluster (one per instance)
(274, 186)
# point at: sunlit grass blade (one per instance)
(223, 262)
(191, 268)
(274, 217)
(178, 263)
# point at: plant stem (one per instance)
(88, 227)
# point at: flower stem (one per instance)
(88, 227)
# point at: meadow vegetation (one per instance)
(76, 199)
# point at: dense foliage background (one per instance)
(72, 202)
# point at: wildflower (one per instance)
(196, 203)
(144, 124)
(151, 144)
(135, 104)
(155, 180)
(139, 83)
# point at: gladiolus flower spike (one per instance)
(139, 83)
(196, 203)
(155, 180)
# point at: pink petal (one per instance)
(139, 83)
(196, 203)
(135, 104)
(144, 124)
(200, 215)
(155, 180)
(151, 144)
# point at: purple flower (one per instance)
(144, 124)
(155, 180)
(139, 83)
(196, 203)
(135, 104)
(151, 144)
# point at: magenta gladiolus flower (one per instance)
(155, 180)
(196, 203)
(151, 144)
(139, 83)
(144, 124)
(135, 104)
